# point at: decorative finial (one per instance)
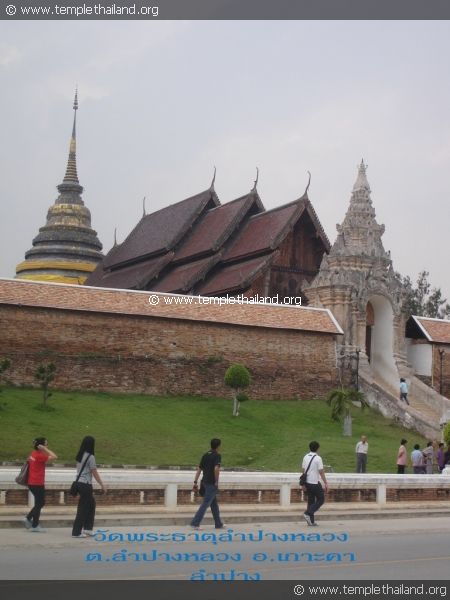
(71, 175)
(115, 236)
(211, 187)
(361, 180)
(143, 207)
(256, 180)
(309, 183)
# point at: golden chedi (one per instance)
(66, 249)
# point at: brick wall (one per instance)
(155, 497)
(155, 355)
(445, 368)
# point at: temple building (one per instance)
(66, 249)
(358, 284)
(200, 246)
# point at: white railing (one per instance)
(172, 481)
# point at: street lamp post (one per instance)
(358, 350)
(441, 359)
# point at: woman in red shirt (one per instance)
(36, 481)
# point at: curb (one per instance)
(101, 521)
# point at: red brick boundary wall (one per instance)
(168, 350)
(155, 497)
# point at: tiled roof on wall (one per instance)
(170, 306)
(435, 330)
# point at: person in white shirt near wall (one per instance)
(312, 464)
(362, 447)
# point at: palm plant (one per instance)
(341, 401)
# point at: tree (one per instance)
(238, 378)
(5, 363)
(422, 299)
(45, 374)
(341, 401)
(447, 434)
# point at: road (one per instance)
(382, 549)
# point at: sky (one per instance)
(163, 102)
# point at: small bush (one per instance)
(237, 376)
(242, 397)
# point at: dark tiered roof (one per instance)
(201, 246)
(161, 230)
(217, 225)
(235, 277)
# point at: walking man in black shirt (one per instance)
(210, 466)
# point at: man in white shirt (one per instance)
(403, 390)
(312, 465)
(362, 447)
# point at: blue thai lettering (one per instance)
(100, 535)
(198, 575)
(209, 537)
(93, 556)
(135, 537)
(259, 556)
(350, 555)
(319, 556)
(120, 556)
(334, 557)
(258, 537)
(226, 536)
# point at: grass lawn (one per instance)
(149, 430)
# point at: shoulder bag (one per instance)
(22, 477)
(302, 480)
(74, 487)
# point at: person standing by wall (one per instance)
(428, 454)
(417, 460)
(36, 481)
(402, 457)
(210, 467)
(362, 448)
(87, 468)
(440, 457)
(312, 463)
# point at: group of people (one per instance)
(83, 524)
(432, 457)
(423, 461)
(209, 467)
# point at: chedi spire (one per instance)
(66, 249)
(71, 175)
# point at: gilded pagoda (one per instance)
(66, 249)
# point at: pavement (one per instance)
(386, 549)
(107, 516)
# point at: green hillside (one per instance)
(149, 430)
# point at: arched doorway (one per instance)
(380, 339)
(370, 321)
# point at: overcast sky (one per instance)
(161, 103)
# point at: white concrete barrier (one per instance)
(171, 481)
